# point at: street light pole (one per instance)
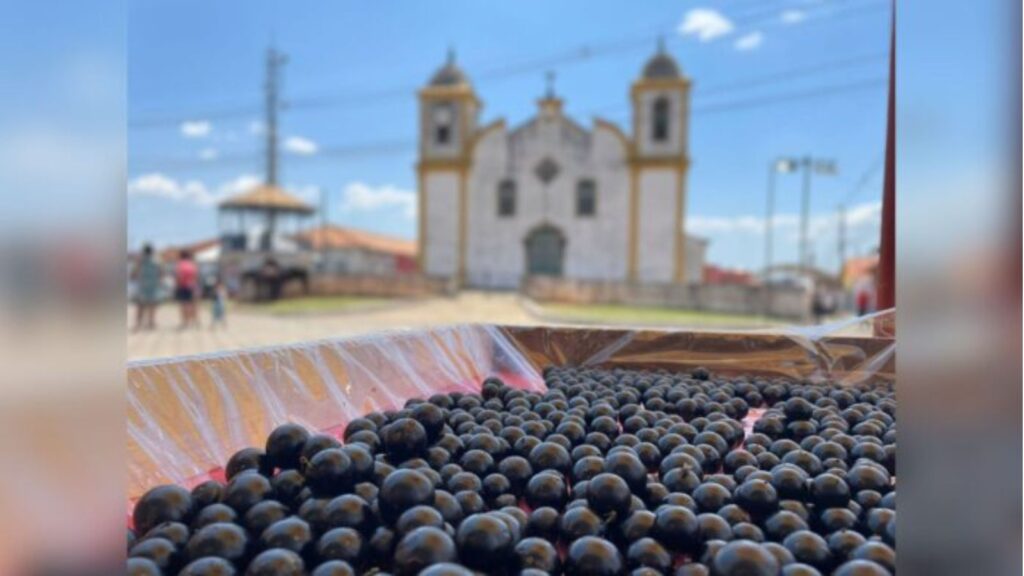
(820, 166)
(785, 165)
(805, 206)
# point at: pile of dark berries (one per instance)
(609, 472)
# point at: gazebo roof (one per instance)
(268, 197)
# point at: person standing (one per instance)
(864, 295)
(218, 305)
(186, 288)
(819, 307)
(147, 276)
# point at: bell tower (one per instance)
(658, 167)
(448, 112)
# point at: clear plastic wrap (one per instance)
(186, 416)
(844, 351)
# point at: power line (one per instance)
(795, 73)
(363, 149)
(790, 96)
(574, 55)
(390, 147)
(824, 12)
(817, 92)
(789, 73)
(865, 178)
(583, 52)
(531, 66)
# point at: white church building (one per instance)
(552, 197)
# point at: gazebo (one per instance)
(259, 255)
(261, 219)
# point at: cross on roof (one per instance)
(550, 79)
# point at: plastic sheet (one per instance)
(844, 351)
(186, 416)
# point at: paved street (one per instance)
(248, 329)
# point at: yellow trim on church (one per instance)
(467, 105)
(680, 163)
(648, 84)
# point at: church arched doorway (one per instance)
(545, 251)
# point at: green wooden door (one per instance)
(545, 252)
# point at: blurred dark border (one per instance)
(959, 287)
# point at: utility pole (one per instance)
(768, 224)
(805, 207)
(819, 166)
(275, 60)
(785, 166)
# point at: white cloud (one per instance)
(241, 183)
(868, 214)
(739, 240)
(196, 129)
(255, 127)
(749, 41)
(792, 16)
(299, 145)
(160, 185)
(361, 197)
(706, 24)
(208, 154)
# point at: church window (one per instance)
(547, 170)
(443, 134)
(443, 117)
(586, 198)
(660, 119)
(507, 198)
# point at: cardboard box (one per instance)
(187, 416)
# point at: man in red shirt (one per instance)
(186, 288)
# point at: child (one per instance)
(218, 303)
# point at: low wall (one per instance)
(782, 302)
(398, 286)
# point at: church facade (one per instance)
(551, 197)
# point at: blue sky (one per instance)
(773, 77)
